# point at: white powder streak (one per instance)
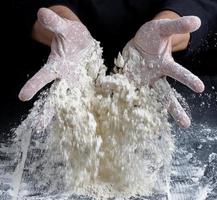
(17, 175)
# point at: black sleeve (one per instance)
(25, 13)
(206, 10)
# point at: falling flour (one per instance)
(106, 138)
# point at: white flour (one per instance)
(106, 138)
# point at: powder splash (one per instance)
(106, 138)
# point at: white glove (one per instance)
(153, 42)
(69, 46)
(74, 54)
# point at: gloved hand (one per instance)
(153, 44)
(74, 54)
(69, 46)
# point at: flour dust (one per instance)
(106, 138)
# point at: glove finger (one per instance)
(171, 103)
(182, 25)
(51, 20)
(176, 71)
(38, 81)
(178, 113)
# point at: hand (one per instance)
(153, 44)
(69, 46)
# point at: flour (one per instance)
(106, 138)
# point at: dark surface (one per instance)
(194, 164)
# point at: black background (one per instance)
(22, 57)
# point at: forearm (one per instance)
(179, 41)
(40, 34)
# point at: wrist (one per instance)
(178, 41)
(167, 14)
(64, 12)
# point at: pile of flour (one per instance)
(106, 138)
